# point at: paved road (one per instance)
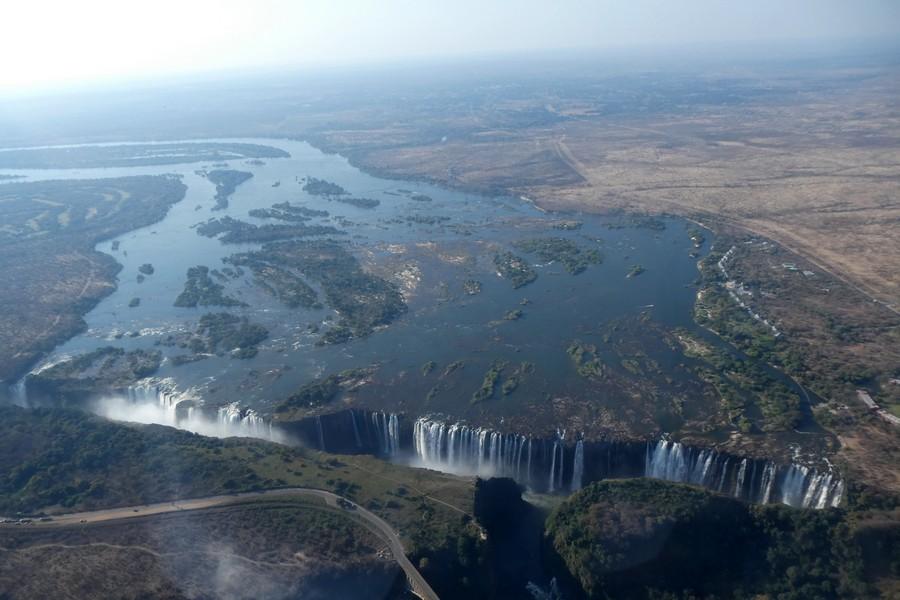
(380, 527)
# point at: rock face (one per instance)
(498, 504)
(351, 431)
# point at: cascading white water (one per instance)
(794, 485)
(723, 473)
(562, 466)
(739, 485)
(667, 461)
(158, 401)
(246, 422)
(768, 483)
(528, 465)
(559, 462)
(836, 495)
(578, 467)
(551, 486)
(387, 429)
(814, 489)
(393, 435)
(459, 448)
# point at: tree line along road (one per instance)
(378, 525)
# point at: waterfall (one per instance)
(452, 441)
(159, 401)
(557, 465)
(666, 461)
(562, 462)
(739, 486)
(750, 495)
(387, 429)
(808, 488)
(724, 473)
(528, 465)
(356, 436)
(233, 420)
(393, 435)
(148, 391)
(520, 446)
(552, 485)
(492, 452)
(836, 495)
(19, 393)
(795, 485)
(551, 593)
(321, 433)
(578, 467)
(541, 464)
(792, 486)
(459, 448)
(768, 483)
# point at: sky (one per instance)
(58, 43)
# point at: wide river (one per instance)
(429, 262)
(544, 341)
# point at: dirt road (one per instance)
(380, 527)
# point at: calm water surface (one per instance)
(430, 263)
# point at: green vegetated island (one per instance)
(80, 377)
(201, 290)
(47, 244)
(321, 392)
(634, 271)
(363, 301)
(336, 193)
(514, 268)
(218, 334)
(285, 211)
(287, 268)
(497, 372)
(573, 257)
(226, 181)
(234, 231)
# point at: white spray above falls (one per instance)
(157, 402)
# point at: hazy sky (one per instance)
(47, 42)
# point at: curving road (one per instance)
(379, 526)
